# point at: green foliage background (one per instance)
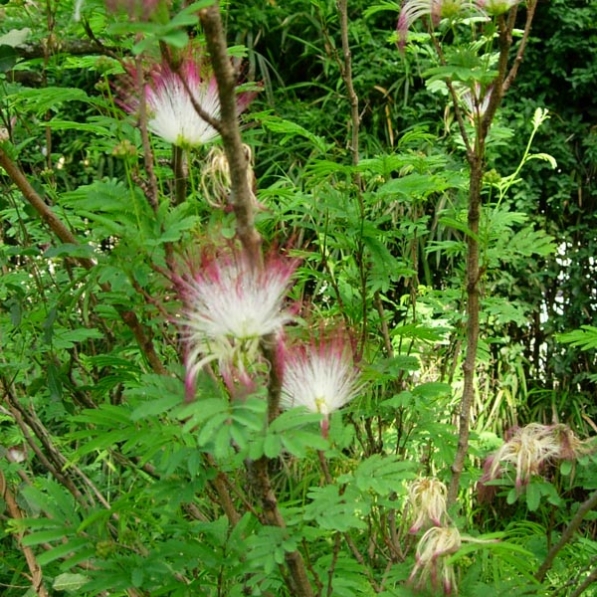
(121, 490)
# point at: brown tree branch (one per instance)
(242, 203)
(15, 513)
(476, 159)
(531, 6)
(588, 505)
(242, 196)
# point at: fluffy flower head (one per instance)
(171, 113)
(321, 377)
(230, 306)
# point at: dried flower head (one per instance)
(431, 567)
(427, 500)
(229, 307)
(321, 377)
(529, 448)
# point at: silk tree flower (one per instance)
(436, 9)
(431, 567)
(229, 307)
(427, 500)
(321, 377)
(171, 113)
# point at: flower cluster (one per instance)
(413, 10)
(230, 307)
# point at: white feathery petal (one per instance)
(172, 114)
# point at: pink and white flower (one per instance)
(230, 306)
(169, 97)
(321, 377)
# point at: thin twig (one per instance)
(567, 535)
(152, 191)
(15, 514)
(346, 72)
(531, 6)
(585, 584)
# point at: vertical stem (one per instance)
(242, 196)
(242, 203)
(346, 71)
(472, 324)
(180, 169)
(476, 160)
(152, 191)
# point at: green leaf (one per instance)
(45, 536)
(156, 407)
(382, 474)
(44, 99)
(63, 550)
(290, 130)
(15, 37)
(8, 58)
(414, 186)
(71, 250)
(585, 337)
(533, 496)
(69, 582)
(335, 509)
(566, 467)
